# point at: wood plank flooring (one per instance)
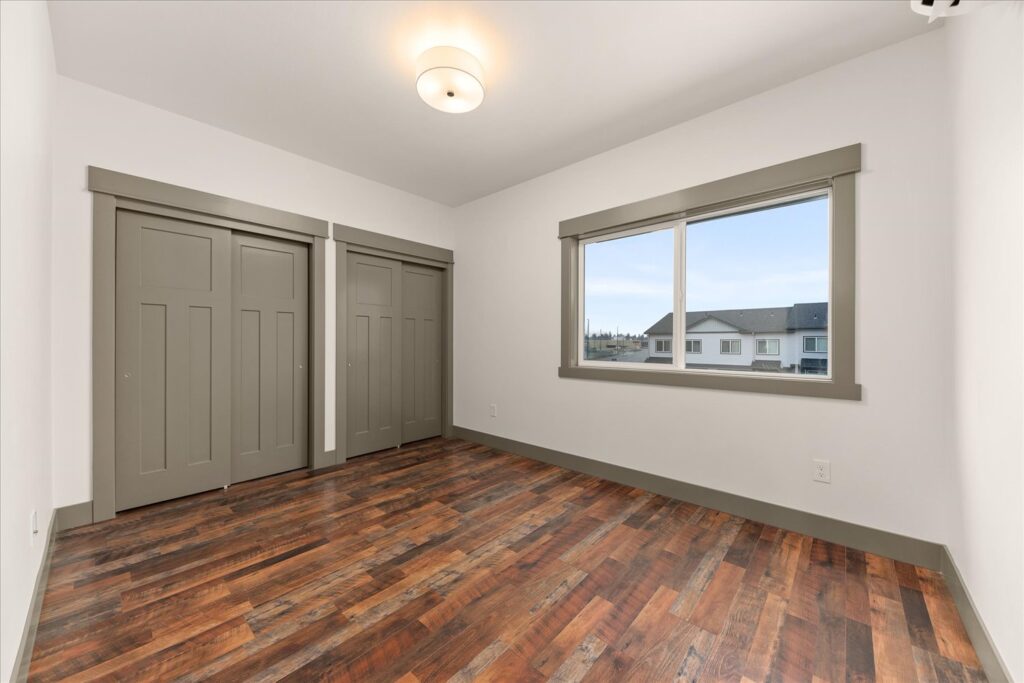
(451, 561)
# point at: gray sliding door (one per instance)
(173, 359)
(374, 354)
(422, 348)
(269, 406)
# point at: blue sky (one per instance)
(775, 257)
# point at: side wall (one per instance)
(27, 82)
(892, 452)
(96, 127)
(987, 86)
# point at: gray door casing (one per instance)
(374, 354)
(422, 352)
(270, 347)
(173, 359)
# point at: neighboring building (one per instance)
(786, 339)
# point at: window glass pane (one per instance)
(763, 272)
(627, 298)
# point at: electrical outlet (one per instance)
(494, 410)
(822, 471)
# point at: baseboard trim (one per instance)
(35, 606)
(71, 516)
(927, 554)
(991, 661)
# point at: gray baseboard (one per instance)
(993, 664)
(28, 634)
(927, 554)
(71, 516)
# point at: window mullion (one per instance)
(679, 305)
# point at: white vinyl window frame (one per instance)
(663, 346)
(820, 344)
(830, 174)
(725, 347)
(695, 346)
(767, 347)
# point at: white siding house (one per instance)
(785, 339)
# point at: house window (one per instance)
(815, 344)
(759, 258)
(730, 346)
(814, 366)
(626, 282)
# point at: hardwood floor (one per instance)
(452, 561)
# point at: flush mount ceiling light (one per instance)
(450, 79)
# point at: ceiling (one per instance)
(334, 81)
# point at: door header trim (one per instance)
(400, 248)
(133, 187)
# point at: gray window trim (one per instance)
(834, 170)
(113, 191)
(698, 342)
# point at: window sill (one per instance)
(795, 386)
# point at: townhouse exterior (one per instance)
(791, 339)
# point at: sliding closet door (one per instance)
(173, 359)
(422, 327)
(374, 354)
(270, 356)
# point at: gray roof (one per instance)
(813, 316)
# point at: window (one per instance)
(814, 366)
(815, 344)
(730, 346)
(760, 258)
(627, 287)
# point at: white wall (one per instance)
(96, 127)
(27, 81)
(892, 452)
(987, 87)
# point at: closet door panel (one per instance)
(271, 346)
(173, 359)
(374, 392)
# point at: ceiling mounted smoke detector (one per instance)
(450, 79)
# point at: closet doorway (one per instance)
(394, 350)
(211, 349)
(395, 353)
(208, 342)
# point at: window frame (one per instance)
(662, 343)
(815, 337)
(778, 346)
(730, 341)
(698, 342)
(831, 172)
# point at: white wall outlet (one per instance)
(494, 410)
(33, 527)
(822, 471)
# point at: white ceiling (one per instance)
(334, 81)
